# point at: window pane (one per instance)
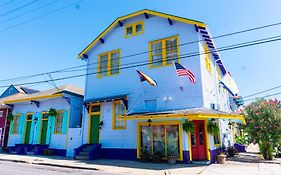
(193, 140)
(159, 140)
(120, 109)
(129, 31)
(29, 117)
(45, 116)
(103, 65)
(157, 54)
(115, 63)
(59, 119)
(138, 28)
(172, 140)
(201, 134)
(171, 51)
(146, 147)
(95, 108)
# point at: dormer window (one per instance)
(134, 29)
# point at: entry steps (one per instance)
(88, 152)
(207, 162)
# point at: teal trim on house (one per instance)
(64, 122)
(22, 126)
(11, 127)
(50, 130)
(32, 130)
(38, 129)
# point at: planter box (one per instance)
(221, 158)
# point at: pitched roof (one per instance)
(50, 93)
(145, 11)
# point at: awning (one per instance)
(123, 97)
(193, 114)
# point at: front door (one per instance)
(95, 129)
(44, 131)
(27, 132)
(198, 141)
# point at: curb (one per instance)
(64, 166)
(12, 160)
(49, 164)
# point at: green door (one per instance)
(44, 131)
(27, 132)
(94, 129)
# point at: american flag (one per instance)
(182, 71)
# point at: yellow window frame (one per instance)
(108, 73)
(164, 53)
(164, 123)
(134, 29)
(114, 117)
(16, 125)
(56, 123)
(207, 58)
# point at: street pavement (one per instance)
(244, 164)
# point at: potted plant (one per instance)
(172, 155)
(52, 112)
(188, 126)
(144, 154)
(213, 127)
(221, 158)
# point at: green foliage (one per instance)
(213, 127)
(188, 126)
(10, 116)
(243, 139)
(263, 118)
(52, 112)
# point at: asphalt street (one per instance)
(8, 168)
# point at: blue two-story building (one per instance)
(126, 118)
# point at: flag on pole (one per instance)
(182, 71)
(144, 77)
(229, 84)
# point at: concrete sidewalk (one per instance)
(245, 163)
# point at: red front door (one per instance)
(198, 141)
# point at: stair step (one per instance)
(82, 157)
(30, 153)
(87, 149)
(201, 162)
(84, 153)
(13, 152)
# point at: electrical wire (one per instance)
(18, 8)
(270, 95)
(261, 92)
(231, 47)
(6, 3)
(192, 42)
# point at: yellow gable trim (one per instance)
(33, 98)
(150, 12)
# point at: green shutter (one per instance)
(64, 122)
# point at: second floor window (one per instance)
(164, 52)
(109, 63)
(134, 29)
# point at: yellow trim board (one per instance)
(33, 98)
(149, 12)
(188, 116)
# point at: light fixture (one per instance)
(149, 121)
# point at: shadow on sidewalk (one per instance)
(138, 164)
(251, 157)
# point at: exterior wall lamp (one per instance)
(35, 120)
(100, 124)
(149, 121)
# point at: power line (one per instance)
(140, 53)
(231, 47)
(261, 92)
(28, 12)
(270, 95)
(18, 8)
(38, 17)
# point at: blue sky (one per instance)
(53, 41)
